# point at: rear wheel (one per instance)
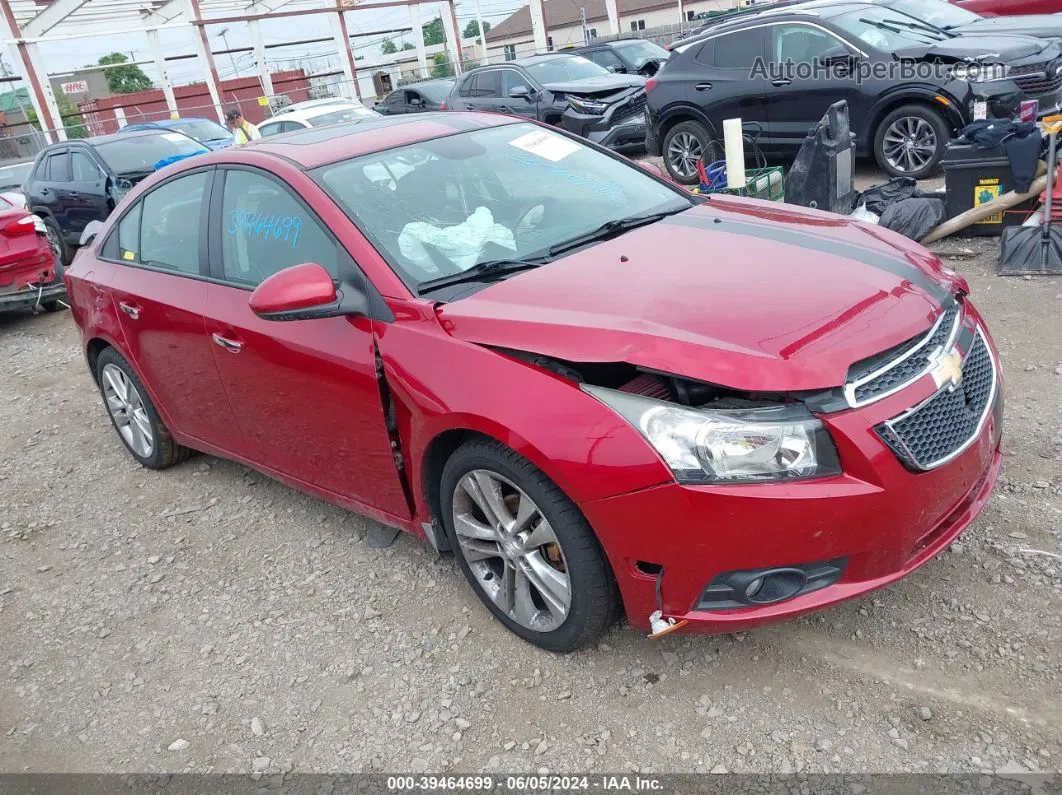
(134, 416)
(685, 144)
(525, 549)
(55, 241)
(910, 141)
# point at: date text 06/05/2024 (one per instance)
(524, 783)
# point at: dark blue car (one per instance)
(209, 133)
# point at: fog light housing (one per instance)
(761, 587)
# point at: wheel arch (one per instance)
(887, 104)
(678, 114)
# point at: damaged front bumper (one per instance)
(621, 125)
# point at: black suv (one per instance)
(416, 98)
(567, 90)
(909, 86)
(626, 56)
(79, 181)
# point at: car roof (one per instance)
(793, 8)
(317, 146)
(119, 136)
(311, 113)
(539, 58)
(316, 103)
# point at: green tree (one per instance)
(472, 29)
(124, 79)
(68, 112)
(433, 32)
(442, 67)
(408, 46)
(388, 47)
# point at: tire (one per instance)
(161, 451)
(52, 306)
(693, 139)
(570, 550)
(60, 249)
(910, 141)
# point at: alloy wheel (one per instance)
(512, 550)
(683, 152)
(909, 144)
(127, 409)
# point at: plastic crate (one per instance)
(760, 183)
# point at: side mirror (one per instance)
(520, 91)
(838, 56)
(416, 102)
(620, 70)
(301, 292)
(92, 228)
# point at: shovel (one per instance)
(1028, 250)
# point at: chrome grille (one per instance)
(634, 107)
(880, 375)
(940, 428)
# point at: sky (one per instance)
(61, 56)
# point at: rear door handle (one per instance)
(231, 345)
(784, 81)
(703, 86)
(130, 309)
(506, 109)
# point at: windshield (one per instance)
(938, 13)
(436, 92)
(134, 155)
(201, 130)
(564, 70)
(639, 53)
(14, 176)
(440, 207)
(887, 29)
(343, 114)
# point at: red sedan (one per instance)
(29, 274)
(591, 387)
(991, 8)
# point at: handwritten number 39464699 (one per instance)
(271, 227)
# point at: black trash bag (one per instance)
(914, 217)
(878, 197)
(821, 174)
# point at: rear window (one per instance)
(436, 92)
(140, 154)
(201, 130)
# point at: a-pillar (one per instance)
(452, 35)
(202, 49)
(538, 25)
(613, 16)
(346, 55)
(163, 74)
(260, 57)
(418, 40)
(31, 68)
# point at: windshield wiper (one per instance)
(611, 229)
(481, 271)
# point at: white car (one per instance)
(12, 177)
(315, 113)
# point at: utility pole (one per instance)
(224, 33)
(482, 34)
(582, 14)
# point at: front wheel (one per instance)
(910, 141)
(525, 548)
(685, 144)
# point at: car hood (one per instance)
(736, 292)
(597, 85)
(215, 144)
(991, 49)
(1038, 25)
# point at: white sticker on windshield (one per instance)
(174, 137)
(546, 145)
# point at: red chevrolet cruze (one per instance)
(590, 386)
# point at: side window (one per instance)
(740, 49)
(466, 87)
(605, 58)
(801, 43)
(264, 230)
(44, 172)
(511, 79)
(394, 98)
(128, 235)
(59, 167)
(275, 128)
(488, 84)
(170, 224)
(84, 168)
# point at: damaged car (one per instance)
(909, 86)
(31, 276)
(565, 90)
(595, 390)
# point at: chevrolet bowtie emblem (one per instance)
(948, 371)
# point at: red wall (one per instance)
(192, 100)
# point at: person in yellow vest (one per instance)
(242, 130)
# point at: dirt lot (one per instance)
(207, 618)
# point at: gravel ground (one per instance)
(207, 618)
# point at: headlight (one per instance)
(980, 73)
(740, 445)
(588, 106)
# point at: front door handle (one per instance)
(231, 345)
(506, 109)
(74, 194)
(703, 86)
(783, 81)
(130, 309)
